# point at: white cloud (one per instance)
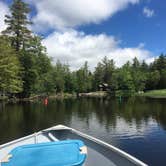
(60, 14)
(151, 59)
(148, 12)
(75, 48)
(3, 11)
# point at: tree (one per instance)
(17, 24)
(159, 63)
(84, 79)
(37, 67)
(30, 73)
(153, 79)
(20, 36)
(139, 80)
(138, 75)
(70, 80)
(10, 80)
(158, 67)
(136, 63)
(162, 82)
(144, 66)
(59, 76)
(125, 82)
(40, 65)
(108, 69)
(45, 85)
(98, 76)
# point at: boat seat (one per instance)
(59, 153)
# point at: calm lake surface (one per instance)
(136, 125)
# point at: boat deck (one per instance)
(98, 154)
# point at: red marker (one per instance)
(46, 101)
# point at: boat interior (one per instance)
(98, 154)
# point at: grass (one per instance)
(155, 93)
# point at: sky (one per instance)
(76, 31)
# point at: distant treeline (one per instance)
(25, 68)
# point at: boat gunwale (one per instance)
(62, 127)
(35, 134)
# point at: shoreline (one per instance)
(98, 94)
(156, 94)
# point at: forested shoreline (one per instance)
(26, 69)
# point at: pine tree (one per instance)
(98, 76)
(83, 79)
(17, 24)
(108, 69)
(136, 63)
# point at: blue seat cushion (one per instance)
(60, 153)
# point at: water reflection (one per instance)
(137, 125)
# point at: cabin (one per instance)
(104, 87)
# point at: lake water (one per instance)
(136, 125)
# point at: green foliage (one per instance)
(32, 55)
(41, 65)
(157, 78)
(139, 74)
(159, 63)
(63, 79)
(70, 81)
(10, 80)
(135, 77)
(108, 69)
(98, 76)
(17, 24)
(153, 79)
(30, 73)
(36, 66)
(83, 79)
(125, 80)
(59, 76)
(162, 82)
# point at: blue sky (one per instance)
(132, 27)
(87, 30)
